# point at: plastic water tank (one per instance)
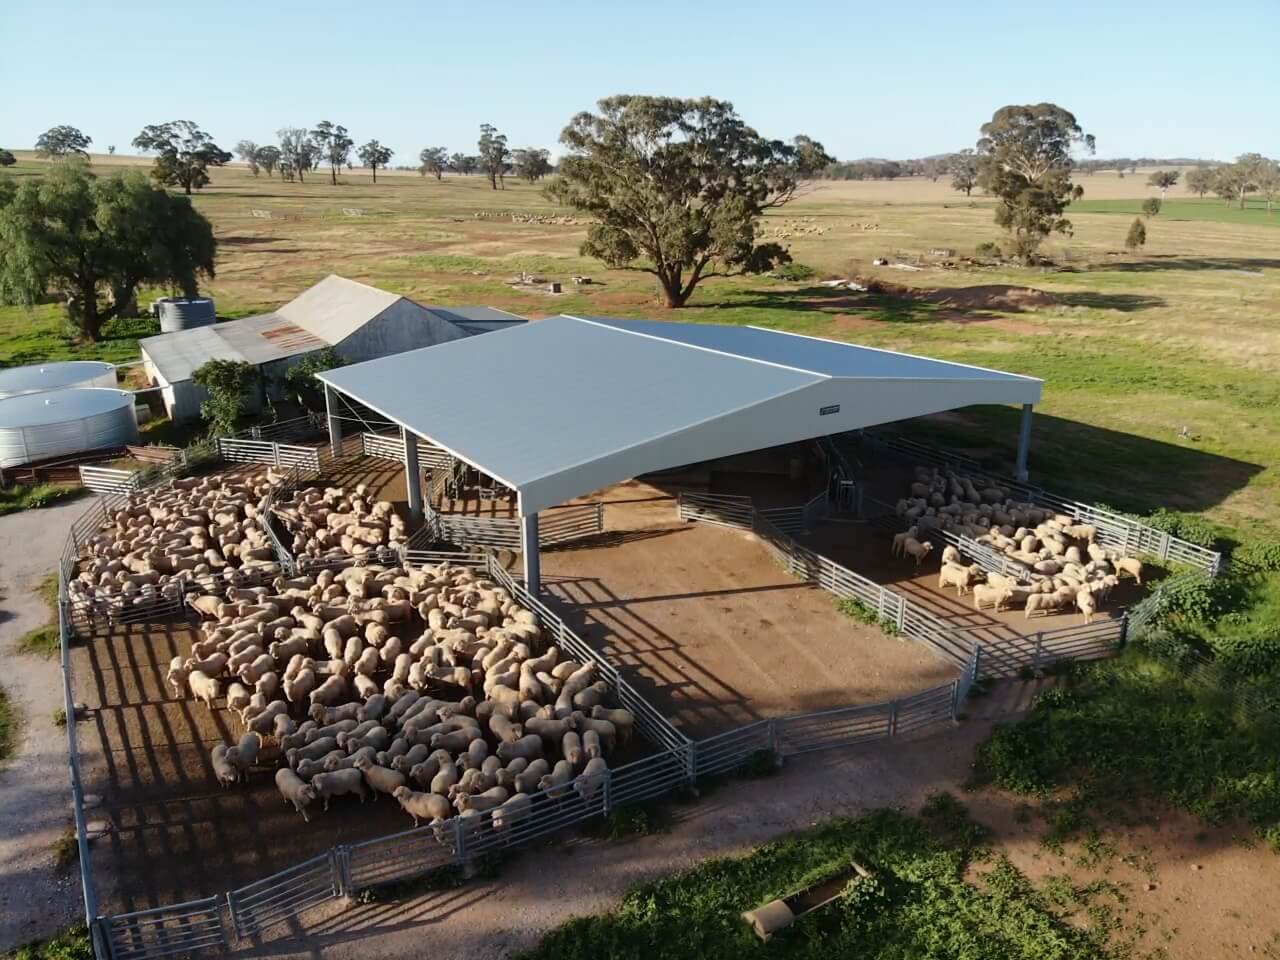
(182, 313)
(56, 375)
(59, 423)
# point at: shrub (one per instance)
(1257, 556)
(1188, 526)
(1199, 598)
(1137, 235)
(987, 249)
(857, 610)
(794, 271)
(228, 383)
(72, 944)
(1150, 206)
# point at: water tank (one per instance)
(56, 375)
(183, 313)
(59, 423)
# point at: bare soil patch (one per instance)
(711, 630)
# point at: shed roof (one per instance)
(570, 405)
(336, 307)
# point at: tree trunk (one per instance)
(84, 313)
(186, 188)
(333, 174)
(375, 173)
(672, 293)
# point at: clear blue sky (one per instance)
(866, 77)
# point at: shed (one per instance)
(574, 404)
(359, 321)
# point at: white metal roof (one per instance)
(323, 315)
(567, 405)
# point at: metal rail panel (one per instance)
(281, 896)
(167, 931)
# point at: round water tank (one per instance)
(56, 375)
(59, 423)
(183, 313)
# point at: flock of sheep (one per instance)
(330, 523)
(151, 548)
(428, 683)
(1058, 562)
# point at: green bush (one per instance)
(1257, 556)
(1199, 598)
(1188, 526)
(73, 944)
(987, 249)
(857, 610)
(794, 271)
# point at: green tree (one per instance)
(1025, 162)
(1267, 176)
(963, 167)
(1151, 206)
(493, 154)
(463, 163)
(62, 141)
(7, 159)
(1234, 181)
(335, 146)
(184, 153)
(677, 188)
(531, 163)
(268, 158)
(298, 152)
(300, 379)
(1164, 179)
(374, 155)
(250, 155)
(432, 160)
(95, 241)
(1200, 180)
(228, 383)
(1137, 236)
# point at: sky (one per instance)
(898, 80)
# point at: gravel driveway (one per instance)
(36, 899)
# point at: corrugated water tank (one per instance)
(56, 375)
(59, 423)
(184, 313)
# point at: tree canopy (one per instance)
(463, 163)
(268, 158)
(1164, 179)
(62, 141)
(1151, 207)
(1136, 238)
(677, 187)
(1235, 181)
(95, 241)
(300, 378)
(432, 160)
(7, 159)
(1024, 161)
(334, 145)
(1200, 180)
(184, 153)
(298, 152)
(374, 155)
(493, 154)
(531, 163)
(964, 171)
(250, 155)
(228, 383)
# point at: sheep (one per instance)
(591, 779)
(512, 811)
(913, 547)
(1046, 602)
(554, 782)
(444, 779)
(337, 783)
(1087, 604)
(488, 800)
(245, 753)
(422, 806)
(622, 720)
(224, 767)
(990, 595)
(550, 730)
(591, 744)
(962, 578)
(204, 687)
(323, 713)
(295, 790)
(1131, 566)
(264, 722)
(571, 748)
(527, 747)
(951, 555)
(330, 693)
(379, 778)
(900, 539)
(526, 781)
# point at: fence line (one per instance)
(279, 455)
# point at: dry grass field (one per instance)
(1161, 367)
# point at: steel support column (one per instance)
(335, 424)
(529, 551)
(412, 475)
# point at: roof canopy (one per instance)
(567, 405)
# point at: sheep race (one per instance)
(427, 683)
(1055, 563)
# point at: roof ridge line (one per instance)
(698, 346)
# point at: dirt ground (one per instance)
(710, 629)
